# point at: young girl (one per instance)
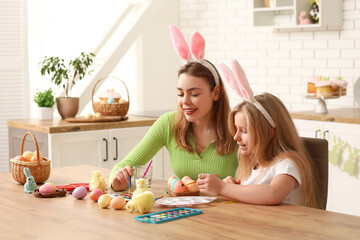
(274, 166)
(196, 136)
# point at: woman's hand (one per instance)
(209, 183)
(121, 178)
(230, 179)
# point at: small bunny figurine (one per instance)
(30, 184)
(302, 19)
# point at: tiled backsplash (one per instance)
(277, 62)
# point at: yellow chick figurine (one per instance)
(97, 181)
(142, 199)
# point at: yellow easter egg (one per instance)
(104, 201)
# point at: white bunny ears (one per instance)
(197, 46)
(238, 81)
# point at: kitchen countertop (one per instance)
(62, 126)
(340, 115)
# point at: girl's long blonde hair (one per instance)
(269, 145)
(220, 112)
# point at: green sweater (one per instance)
(182, 162)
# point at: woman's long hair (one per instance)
(269, 145)
(220, 112)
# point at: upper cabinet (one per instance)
(285, 14)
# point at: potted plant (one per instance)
(65, 75)
(45, 101)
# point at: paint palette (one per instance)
(168, 215)
(185, 201)
(122, 194)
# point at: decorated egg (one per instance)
(88, 116)
(28, 155)
(192, 187)
(104, 201)
(46, 188)
(20, 158)
(51, 184)
(185, 179)
(97, 115)
(170, 180)
(173, 183)
(179, 187)
(122, 100)
(118, 203)
(79, 192)
(110, 100)
(95, 194)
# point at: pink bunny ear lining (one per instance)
(230, 78)
(197, 45)
(179, 42)
(242, 80)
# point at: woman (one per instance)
(196, 136)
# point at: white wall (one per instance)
(149, 69)
(277, 62)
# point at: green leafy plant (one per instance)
(45, 98)
(65, 74)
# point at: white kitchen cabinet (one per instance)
(103, 148)
(284, 14)
(344, 188)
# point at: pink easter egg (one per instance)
(46, 188)
(79, 192)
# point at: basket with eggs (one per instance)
(184, 187)
(111, 103)
(39, 166)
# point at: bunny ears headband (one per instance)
(197, 46)
(238, 81)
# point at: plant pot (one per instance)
(67, 106)
(46, 113)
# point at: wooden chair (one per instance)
(318, 150)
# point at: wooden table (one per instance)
(23, 216)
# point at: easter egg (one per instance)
(110, 100)
(118, 203)
(122, 100)
(104, 201)
(34, 158)
(79, 192)
(20, 158)
(192, 187)
(97, 115)
(170, 180)
(46, 189)
(40, 154)
(185, 179)
(95, 194)
(88, 116)
(28, 155)
(173, 183)
(179, 187)
(189, 182)
(51, 184)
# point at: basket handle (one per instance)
(36, 145)
(101, 79)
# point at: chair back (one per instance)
(318, 150)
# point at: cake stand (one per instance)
(321, 105)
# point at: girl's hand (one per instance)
(121, 178)
(209, 183)
(232, 180)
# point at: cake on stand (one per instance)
(321, 104)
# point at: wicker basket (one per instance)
(111, 109)
(40, 170)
